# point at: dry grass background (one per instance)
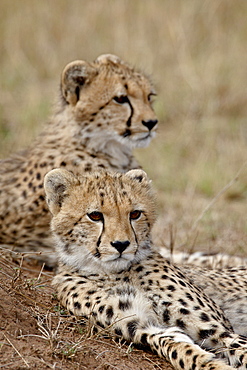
(196, 53)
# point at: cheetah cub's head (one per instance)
(108, 97)
(101, 221)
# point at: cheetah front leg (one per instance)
(235, 349)
(125, 312)
(176, 347)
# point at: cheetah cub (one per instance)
(108, 272)
(103, 113)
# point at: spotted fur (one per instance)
(104, 111)
(109, 273)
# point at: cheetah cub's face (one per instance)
(102, 221)
(108, 97)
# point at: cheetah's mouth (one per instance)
(144, 139)
(146, 135)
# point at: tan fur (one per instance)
(109, 273)
(104, 111)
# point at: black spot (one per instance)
(171, 288)
(100, 324)
(189, 296)
(174, 355)
(200, 302)
(181, 282)
(166, 316)
(185, 304)
(124, 305)
(139, 268)
(180, 324)
(225, 334)
(184, 311)
(88, 304)
(77, 305)
(132, 327)
(118, 331)
(235, 345)
(88, 167)
(165, 269)
(194, 362)
(173, 280)
(109, 312)
(203, 334)
(101, 308)
(181, 363)
(196, 308)
(91, 292)
(204, 317)
(165, 303)
(188, 352)
(144, 339)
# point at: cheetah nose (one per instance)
(120, 246)
(150, 123)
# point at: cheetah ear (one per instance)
(75, 75)
(138, 175)
(56, 184)
(106, 58)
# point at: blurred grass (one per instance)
(195, 52)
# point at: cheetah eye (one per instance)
(121, 99)
(134, 215)
(95, 216)
(150, 97)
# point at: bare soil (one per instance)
(36, 333)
